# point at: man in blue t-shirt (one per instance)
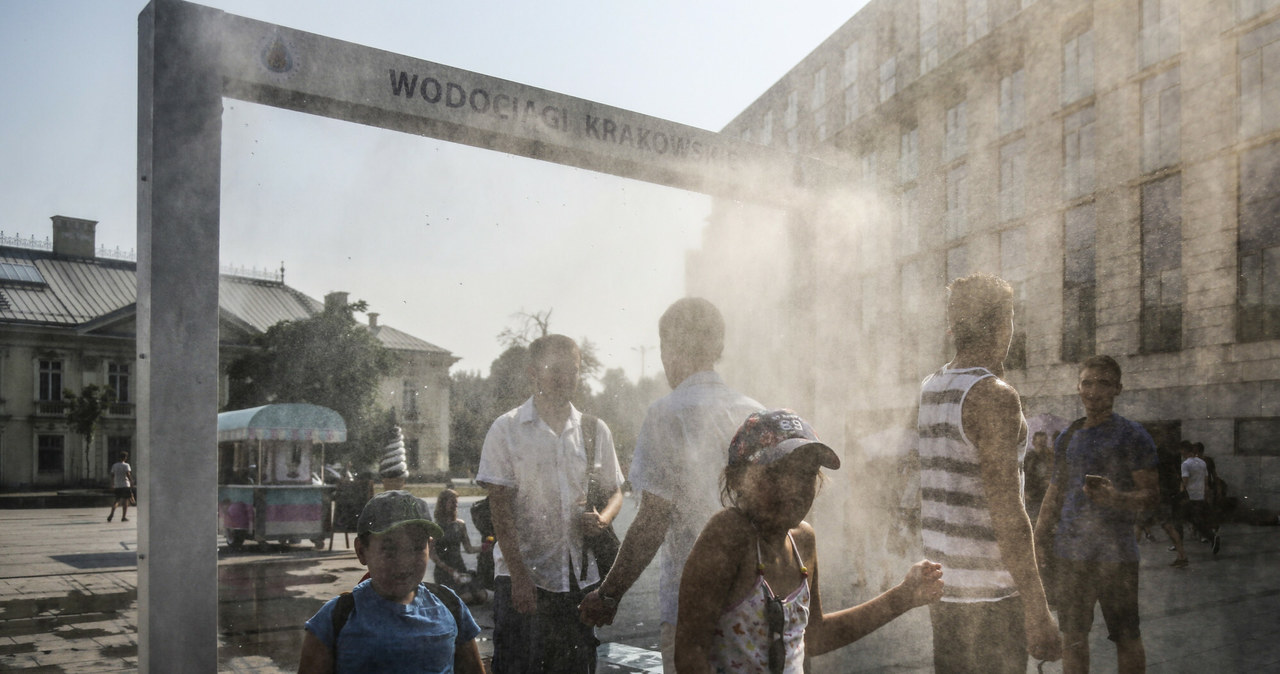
(1104, 476)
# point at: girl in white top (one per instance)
(749, 599)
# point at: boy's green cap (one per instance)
(391, 509)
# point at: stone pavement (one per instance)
(68, 604)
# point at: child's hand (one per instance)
(923, 584)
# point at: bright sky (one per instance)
(445, 242)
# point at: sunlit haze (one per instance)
(445, 242)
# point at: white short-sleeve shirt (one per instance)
(548, 471)
(681, 451)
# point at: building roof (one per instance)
(40, 288)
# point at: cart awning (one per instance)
(282, 421)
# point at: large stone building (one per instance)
(67, 320)
(1117, 160)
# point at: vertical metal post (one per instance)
(179, 137)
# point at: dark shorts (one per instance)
(123, 493)
(984, 636)
(552, 640)
(1113, 585)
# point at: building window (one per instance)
(1247, 9)
(1258, 437)
(118, 381)
(1158, 36)
(1258, 292)
(818, 98)
(50, 456)
(1013, 179)
(977, 20)
(1161, 120)
(1077, 67)
(957, 263)
(850, 69)
(793, 140)
(957, 197)
(413, 455)
(50, 381)
(908, 157)
(745, 135)
(792, 114)
(1260, 80)
(1162, 265)
(910, 224)
(928, 35)
(957, 131)
(851, 106)
(888, 78)
(915, 285)
(1013, 114)
(1078, 154)
(870, 174)
(1013, 268)
(409, 401)
(1079, 284)
(766, 129)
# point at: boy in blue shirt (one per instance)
(395, 623)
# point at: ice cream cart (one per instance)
(266, 458)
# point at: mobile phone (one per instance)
(1094, 480)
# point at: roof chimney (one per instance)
(73, 237)
(336, 301)
(373, 319)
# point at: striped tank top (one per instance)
(955, 520)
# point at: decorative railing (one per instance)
(120, 410)
(52, 408)
(131, 255)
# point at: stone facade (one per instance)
(1115, 160)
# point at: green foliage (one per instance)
(328, 359)
(85, 411)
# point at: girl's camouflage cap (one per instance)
(767, 437)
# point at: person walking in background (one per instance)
(1195, 480)
(680, 452)
(122, 486)
(993, 610)
(535, 468)
(1104, 476)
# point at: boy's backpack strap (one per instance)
(347, 603)
(341, 612)
(449, 599)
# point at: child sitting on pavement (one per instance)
(395, 623)
(730, 618)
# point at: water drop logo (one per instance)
(276, 56)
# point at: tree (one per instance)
(85, 411)
(471, 411)
(328, 359)
(622, 405)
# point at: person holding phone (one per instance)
(1104, 476)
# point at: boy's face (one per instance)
(397, 561)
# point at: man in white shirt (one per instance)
(681, 451)
(122, 486)
(534, 466)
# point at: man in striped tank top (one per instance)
(993, 610)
